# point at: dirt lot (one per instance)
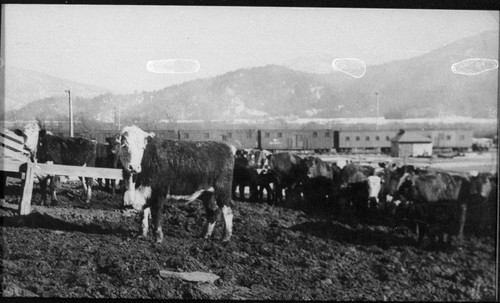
(75, 250)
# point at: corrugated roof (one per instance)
(411, 138)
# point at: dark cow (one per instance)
(318, 188)
(107, 157)
(264, 180)
(359, 187)
(490, 210)
(441, 200)
(289, 171)
(67, 151)
(250, 169)
(244, 174)
(44, 147)
(180, 170)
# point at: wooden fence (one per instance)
(16, 163)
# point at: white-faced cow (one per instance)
(180, 170)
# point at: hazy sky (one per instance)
(109, 46)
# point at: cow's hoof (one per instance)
(226, 238)
(159, 237)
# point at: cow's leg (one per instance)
(89, 182)
(242, 192)
(146, 215)
(113, 187)
(254, 196)
(43, 189)
(227, 213)
(461, 222)
(233, 190)
(83, 184)
(2, 187)
(54, 180)
(270, 194)
(212, 211)
(156, 206)
(99, 181)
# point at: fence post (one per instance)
(27, 185)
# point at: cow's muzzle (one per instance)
(133, 169)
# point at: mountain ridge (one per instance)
(422, 86)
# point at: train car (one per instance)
(296, 139)
(377, 141)
(457, 139)
(240, 138)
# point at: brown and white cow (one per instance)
(179, 170)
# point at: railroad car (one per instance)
(240, 138)
(378, 141)
(296, 139)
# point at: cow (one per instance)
(245, 174)
(251, 169)
(265, 178)
(490, 209)
(441, 200)
(289, 171)
(66, 151)
(107, 157)
(318, 188)
(358, 188)
(179, 170)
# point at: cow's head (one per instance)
(133, 141)
(31, 132)
(114, 143)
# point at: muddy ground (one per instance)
(93, 251)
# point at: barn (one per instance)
(411, 145)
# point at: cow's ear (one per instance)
(151, 134)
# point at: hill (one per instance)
(423, 86)
(23, 86)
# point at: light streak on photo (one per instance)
(474, 66)
(173, 66)
(351, 66)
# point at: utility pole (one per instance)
(376, 95)
(70, 113)
(118, 114)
